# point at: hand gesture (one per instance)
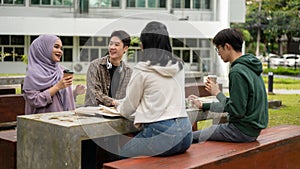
(79, 89)
(194, 100)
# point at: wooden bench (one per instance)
(276, 148)
(8, 149)
(11, 106)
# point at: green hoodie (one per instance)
(248, 104)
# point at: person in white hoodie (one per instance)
(155, 99)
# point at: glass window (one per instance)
(176, 3)
(162, 3)
(130, 3)
(4, 39)
(196, 56)
(8, 1)
(17, 40)
(151, 3)
(205, 53)
(206, 66)
(105, 3)
(12, 48)
(206, 4)
(94, 54)
(100, 41)
(68, 2)
(177, 53)
(18, 52)
(46, 2)
(104, 51)
(19, 2)
(67, 40)
(8, 54)
(204, 43)
(202, 4)
(84, 55)
(197, 4)
(186, 56)
(94, 3)
(140, 3)
(32, 38)
(57, 2)
(191, 43)
(68, 55)
(177, 42)
(115, 3)
(187, 4)
(85, 41)
(35, 2)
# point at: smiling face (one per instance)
(57, 51)
(116, 49)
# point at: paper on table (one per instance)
(108, 111)
(208, 99)
(101, 110)
(87, 110)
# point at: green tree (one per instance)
(276, 19)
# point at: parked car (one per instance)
(276, 60)
(291, 59)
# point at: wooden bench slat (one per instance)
(11, 106)
(276, 147)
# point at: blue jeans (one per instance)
(222, 132)
(162, 138)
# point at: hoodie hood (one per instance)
(169, 70)
(251, 62)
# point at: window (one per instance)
(191, 4)
(177, 42)
(92, 48)
(146, 3)
(67, 42)
(11, 48)
(104, 3)
(66, 3)
(194, 52)
(13, 2)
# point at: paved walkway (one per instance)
(283, 91)
(275, 91)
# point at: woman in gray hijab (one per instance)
(45, 88)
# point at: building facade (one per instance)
(85, 26)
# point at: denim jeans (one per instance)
(162, 138)
(222, 132)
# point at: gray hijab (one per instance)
(42, 71)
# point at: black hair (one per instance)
(231, 36)
(156, 45)
(124, 36)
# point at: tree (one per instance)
(276, 19)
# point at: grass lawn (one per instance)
(288, 113)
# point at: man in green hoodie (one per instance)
(247, 106)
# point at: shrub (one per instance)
(282, 71)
